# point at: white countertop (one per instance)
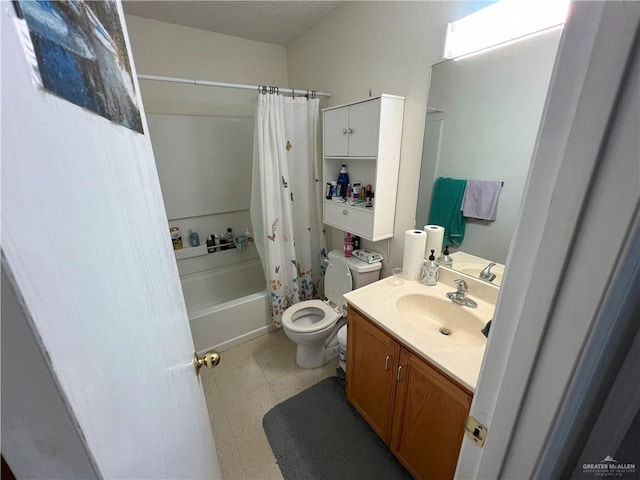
(378, 302)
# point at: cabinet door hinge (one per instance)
(475, 431)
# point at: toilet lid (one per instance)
(337, 281)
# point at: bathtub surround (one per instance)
(285, 199)
(218, 317)
(204, 165)
(225, 297)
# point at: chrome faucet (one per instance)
(460, 295)
(486, 273)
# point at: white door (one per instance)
(85, 239)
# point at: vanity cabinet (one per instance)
(366, 137)
(416, 409)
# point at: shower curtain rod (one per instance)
(257, 88)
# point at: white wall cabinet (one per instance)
(366, 137)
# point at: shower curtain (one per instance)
(286, 199)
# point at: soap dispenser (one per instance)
(445, 259)
(430, 270)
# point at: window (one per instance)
(502, 22)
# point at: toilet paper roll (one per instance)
(435, 237)
(414, 242)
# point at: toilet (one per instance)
(313, 324)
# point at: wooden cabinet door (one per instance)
(372, 357)
(336, 132)
(364, 123)
(428, 422)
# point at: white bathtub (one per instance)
(227, 304)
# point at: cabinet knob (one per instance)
(344, 212)
(351, 130)
(344, 131)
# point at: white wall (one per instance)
(387, 47)
(492, 106)
(161, 48)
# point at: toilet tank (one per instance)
(362, 273)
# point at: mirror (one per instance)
(482, 122)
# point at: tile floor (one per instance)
(251, 379)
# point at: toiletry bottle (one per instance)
(194, 238)
(430, 270)
(216, 243)
(356, 192)
(348, 245)
(176, 238)
(356, 242)
(223, 242)
(343, 181)
(230, 237)
(247, 236)
(445, 260)
(210, 244)
(334, 189)
(327, 191)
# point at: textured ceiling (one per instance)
(274, 22)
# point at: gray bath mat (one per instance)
(318, 435)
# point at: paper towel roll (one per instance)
(414, 242)
(435, 237)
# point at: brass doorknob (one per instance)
(209, 360)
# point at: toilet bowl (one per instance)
(313, 324)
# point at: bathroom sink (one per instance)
(441, 318)
(474, 270)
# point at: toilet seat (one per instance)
(299, 317)
(315, 315)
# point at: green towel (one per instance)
(446, 204)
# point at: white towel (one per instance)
(481, 199)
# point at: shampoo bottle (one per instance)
(430, 270)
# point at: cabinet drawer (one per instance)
(350, 219)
